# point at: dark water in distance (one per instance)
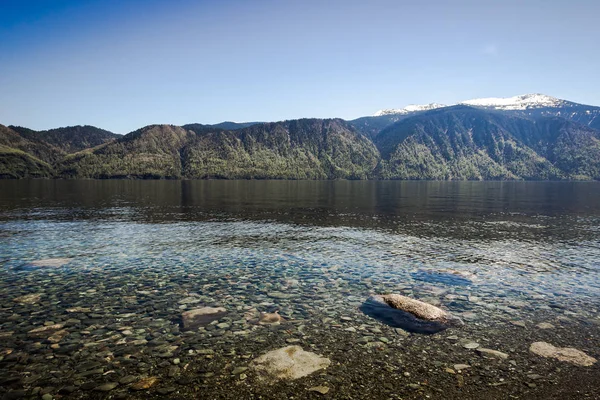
(349, 203)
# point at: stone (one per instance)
(492, 353)
(290, 362)
(567, 354)
(106, 387)
(127, 379)
(545, 325)
(47, 396)
(270, 318)
(319, 389)
(145, 383)
(459, 367)
(195, 318)
(418, 308)
(50, 262)
(279, 295)
(43, 331)
(470, 345)
(409, 314)
(239, 370)
(79, 310)
(28, 298)
(519, 324)
(190, 300)
(58, 336)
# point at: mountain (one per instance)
(518, 138)
(297, 149)
(539, 105)
(23, 158)
(467, 143)
(69, 139)
(522, 102)
(231, 126)
(531, 105)
(412, 108)
(225, 125)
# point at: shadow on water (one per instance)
(400, 319)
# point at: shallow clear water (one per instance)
(489, 252)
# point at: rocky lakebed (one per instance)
(264, 310)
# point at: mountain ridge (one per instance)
(543, 138)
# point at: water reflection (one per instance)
(536, 210)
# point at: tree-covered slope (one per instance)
(462, 142)
(69, 139)
(150, 152)
(22, 158)
(459, 143)
(300, 149)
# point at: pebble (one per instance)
(492, 353)
(106, 387)
(460, 367)
(545, 325)
(319, 389)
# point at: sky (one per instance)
(124, 64)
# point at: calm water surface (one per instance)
(490, 252)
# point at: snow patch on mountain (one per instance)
(411, 108)
(522, 102)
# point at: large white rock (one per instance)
(567, 354)
(417, 308)
(290, 362)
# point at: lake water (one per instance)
(503, 256)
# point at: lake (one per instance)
(517, 262)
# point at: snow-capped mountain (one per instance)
(533, 105)
(522, 102)
(409, 109)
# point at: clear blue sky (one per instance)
(124, 64)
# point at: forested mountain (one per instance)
(299, 149)
(23, 158)
(525, 137)
(463, 142)
(69, 139)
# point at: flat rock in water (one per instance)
(409, 314)
(44, 331)
(492, 353)
(28, 298)
(58, 336)
(270, 318)
(195, 318)
(279, 295)
(290, 362)
(567, 354)
(544, 325)
(145, 383)
(50, 262)
(106, 387)
(319, 389)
